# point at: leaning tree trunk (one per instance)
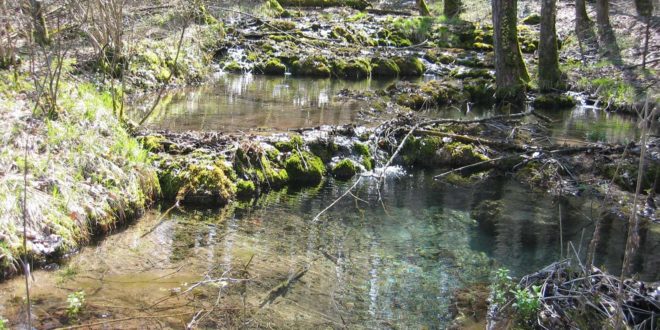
(550, 77)
(423, 8)
(36, 10)
(511, 75)
(584, 26)
(452, 8)
(606, 38)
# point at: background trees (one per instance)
(550, 77)
(510, 71)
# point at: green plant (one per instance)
(75, 302)
(501, 286)
(527, 302)
(3, 324)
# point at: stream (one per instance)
(388, 259)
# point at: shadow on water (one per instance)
(363, 263)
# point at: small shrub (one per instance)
(75, 302)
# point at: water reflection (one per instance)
(369, 265)
(244, 102)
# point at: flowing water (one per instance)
(389, 259)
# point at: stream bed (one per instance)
(376, 259)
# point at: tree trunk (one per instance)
(606, 38)
(39, 22)
(550, 77)
(584, 25)
(423, 8)
(511, 75)
(645, 9)
(452, 8)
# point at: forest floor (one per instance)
(87, 171)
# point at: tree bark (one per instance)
(511, 75)
(645, 9)
(452, 8)
(584, 26)
(606, 38)
(550, 77)
(423, 8)
(39, 22)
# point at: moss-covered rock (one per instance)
(533, 19)
(274, 67)
(323, 148)
(233, 67)
(357, 68)
(197, 182)
(553, 101)
(366, 159)
(304, 168)
(473, 73)
(481, 46)
(313, 66)
(460, 154)
(421, 151)
(245, 189)
(344, 169)
(438, 57)
(295, 142)
(410, 66)
(384, 67)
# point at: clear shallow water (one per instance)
(234, 103)
(393, 264)
(248, 102)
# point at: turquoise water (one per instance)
(366, 263)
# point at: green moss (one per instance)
(628, 170)
(282, 25)
(305, 169)
(361, 149)
(295, 142)
(313, 66)
(484, 47)
(421, 151)
(473, 73)
(358, 68)
(480, 90)
(152, 142)
(533, 19)
(553, 101)
(274, 67)
(324, 149)
(463, 154)
(344, 169)
(203, 182)
(245, 189)
(437, 56)
(410, 66)
(384, 67)
(233, 66)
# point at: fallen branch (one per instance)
(348, 191)
(470, 166)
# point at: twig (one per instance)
(471, 166)
(348, 191)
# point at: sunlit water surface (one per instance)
(365, 263)
(370, 264)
